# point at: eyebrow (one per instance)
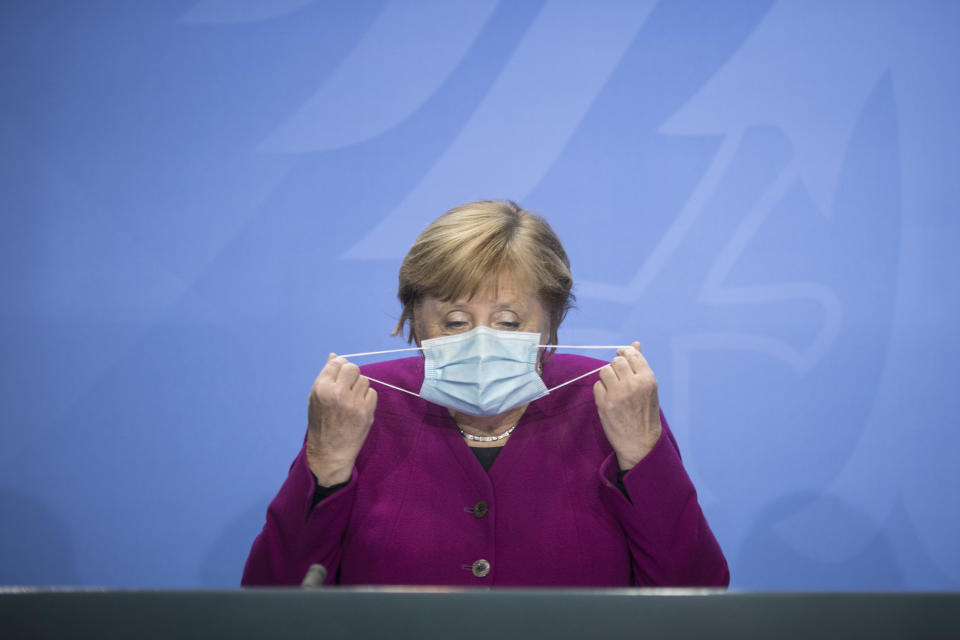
(501, 306)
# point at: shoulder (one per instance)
(398, 372)
(405, 373)
(561, 367)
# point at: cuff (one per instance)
(321, 492)
(658, 478)
(311, 501)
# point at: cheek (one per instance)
(426, 330)
(545, 328)
(419, 330)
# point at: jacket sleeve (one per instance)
(670, 542)
(298, 534)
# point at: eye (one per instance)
(456, 320)
(506, 320)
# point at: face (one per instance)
(507, 307)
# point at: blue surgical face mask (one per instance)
(483, 372)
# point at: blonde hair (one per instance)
(471, 246)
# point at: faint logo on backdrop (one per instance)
(762, 262)
(804, 275)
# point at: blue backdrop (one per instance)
(201, 199)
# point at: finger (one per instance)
(599, 391)
(637, 362)
(607, 377)
(370, 399)
(621, 367)
(361, 385)
(348, 374)
(332, 367)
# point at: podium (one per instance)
(400, 613)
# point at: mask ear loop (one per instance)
(582, 375)
(387, 384)
(377, 353)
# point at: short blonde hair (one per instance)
(469, 247)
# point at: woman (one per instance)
(458, 467)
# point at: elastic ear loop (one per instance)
(542, 346)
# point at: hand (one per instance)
(339, 417)
(629, 407)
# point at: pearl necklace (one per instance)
(470, 436)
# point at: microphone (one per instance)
(316, 574)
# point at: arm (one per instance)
(670, 542)
(301, 530)
(298, 534)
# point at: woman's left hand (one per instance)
(629, 407)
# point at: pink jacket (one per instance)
(420, 510)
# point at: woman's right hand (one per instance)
(339, 417)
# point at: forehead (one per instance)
(507, 290)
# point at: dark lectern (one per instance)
(489, 615)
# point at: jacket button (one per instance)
(481, 568)
(480, 509)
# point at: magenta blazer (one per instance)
(420, 510)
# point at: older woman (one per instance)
(487, 460)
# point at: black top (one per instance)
(486, 455)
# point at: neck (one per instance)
(488, 425)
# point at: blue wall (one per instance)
(201, 199)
